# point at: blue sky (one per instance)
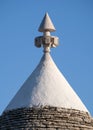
(19, 22)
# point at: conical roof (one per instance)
(46, 100)
(46, 86)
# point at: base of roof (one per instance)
(48, 118)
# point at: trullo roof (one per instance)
(46, 85)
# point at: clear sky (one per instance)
(19, 22)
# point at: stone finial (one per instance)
(46, 24)
(46, 40)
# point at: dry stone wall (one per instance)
(45, 118)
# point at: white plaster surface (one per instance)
(46, 86)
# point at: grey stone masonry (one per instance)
(45, 118)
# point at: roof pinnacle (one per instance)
(46, 40)
(46, 24)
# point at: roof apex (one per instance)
(46, 24)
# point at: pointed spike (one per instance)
(46, 24)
